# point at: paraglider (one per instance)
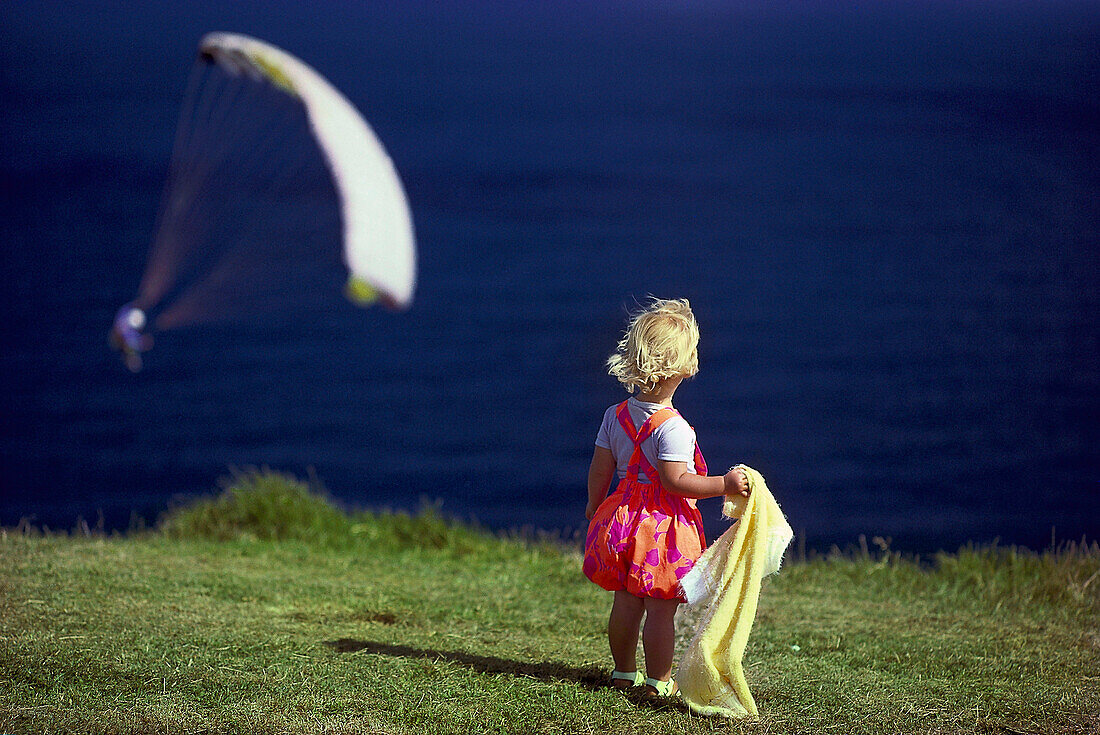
(273, 171)
(128, 338)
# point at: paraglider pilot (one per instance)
(128, 338)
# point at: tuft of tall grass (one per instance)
(261, 504)
(426, 529)
(1065, 577)
(272, 506)
(1065, 574)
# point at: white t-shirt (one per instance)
(672, 441)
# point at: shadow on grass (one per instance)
(590, 678)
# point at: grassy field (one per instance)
(268, 611)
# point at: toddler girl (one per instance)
(648, 533)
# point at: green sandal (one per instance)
(634, 678)
(658, 688)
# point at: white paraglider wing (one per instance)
(379, 248)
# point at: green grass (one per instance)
(266, 610)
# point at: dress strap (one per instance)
(650, 425)
(622, 413)
(700, 463)
(638, 460)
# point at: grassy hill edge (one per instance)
(265, 505)
(269, 609)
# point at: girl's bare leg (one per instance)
(622, 630)
(659, 637)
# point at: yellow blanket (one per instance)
(725, 583)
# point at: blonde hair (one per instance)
(661, 342)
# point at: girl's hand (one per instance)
(736, 483)
(590, 511)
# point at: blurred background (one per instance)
(886, 217)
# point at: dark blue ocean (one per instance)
(886, 216)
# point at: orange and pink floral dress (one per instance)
(642, 538)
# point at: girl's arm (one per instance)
(676, 478)
(600, 473)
